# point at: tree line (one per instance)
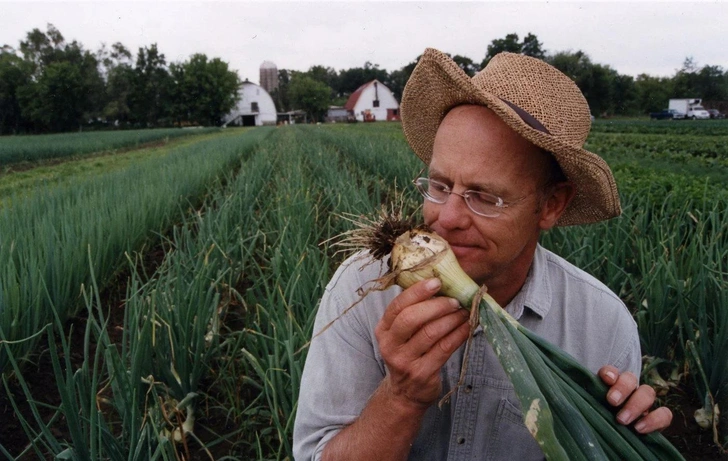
(50, 85)
(608, 92)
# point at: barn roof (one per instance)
(351, 102)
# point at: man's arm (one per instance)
(416, 336)
(386, 429)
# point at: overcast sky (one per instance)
(631, 37)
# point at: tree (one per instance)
(52, 85)
(12, 77)
(685, 80)
(596, 83)
(594, 80)
(711, 83)
(466, 64)
(398, 79)
(119, 88)
(150, 99)
(91, 80)
(652, 93)
(509, 43)
(116, 64)
(204, 90)
(325, 75)
(530, 46)
(64, 88)
(309, 95)
(117, 56)
(40, 48)
(707, 83)
(351, 79)
(280, 94)
(55, 101)
(624, 95)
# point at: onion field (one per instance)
(36, 148)
(163, 311)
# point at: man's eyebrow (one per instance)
(489, 188)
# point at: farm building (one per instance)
(337, 114)
(292, 117)
(255, 107)
(373, 101)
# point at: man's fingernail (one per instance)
(615, 397)
(639, 426)
(624, 417)
(433, 284)
(611, 375)
(454, 303)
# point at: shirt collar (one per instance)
(535, 295)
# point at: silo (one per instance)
(268, 76)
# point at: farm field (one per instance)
(38, 148)
(26, 176)
(179, 289)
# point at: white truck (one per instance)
(689, 108)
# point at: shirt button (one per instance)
(461, 440)
(468, 389)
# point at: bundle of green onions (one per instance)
(564, 404)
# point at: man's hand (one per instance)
(416, 336)
(637, 401)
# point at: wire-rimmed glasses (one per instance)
(479, 202)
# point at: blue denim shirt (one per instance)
(482, 420)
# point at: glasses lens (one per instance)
(432, 190)
(484, 204)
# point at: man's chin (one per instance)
(473, 267)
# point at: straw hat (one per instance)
(535, 99)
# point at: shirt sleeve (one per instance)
(343, 367)
(628, 354)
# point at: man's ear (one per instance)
(555, 203)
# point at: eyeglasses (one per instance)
(480, 203)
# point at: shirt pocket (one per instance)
(510, 438)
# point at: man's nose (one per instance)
(454, 213)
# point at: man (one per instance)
(506, 162)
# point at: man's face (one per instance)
(474, 149)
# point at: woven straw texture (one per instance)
(437, 85)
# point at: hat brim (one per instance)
(437, 85)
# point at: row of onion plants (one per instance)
(48, 237)
(317, 186)
(34, 148)
(221, 328)
(666, 258)
(313, 187)
(137, 398)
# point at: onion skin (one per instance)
(419, 254)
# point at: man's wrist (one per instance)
(399, 402)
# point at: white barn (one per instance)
(373, 101)
(255, 108)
